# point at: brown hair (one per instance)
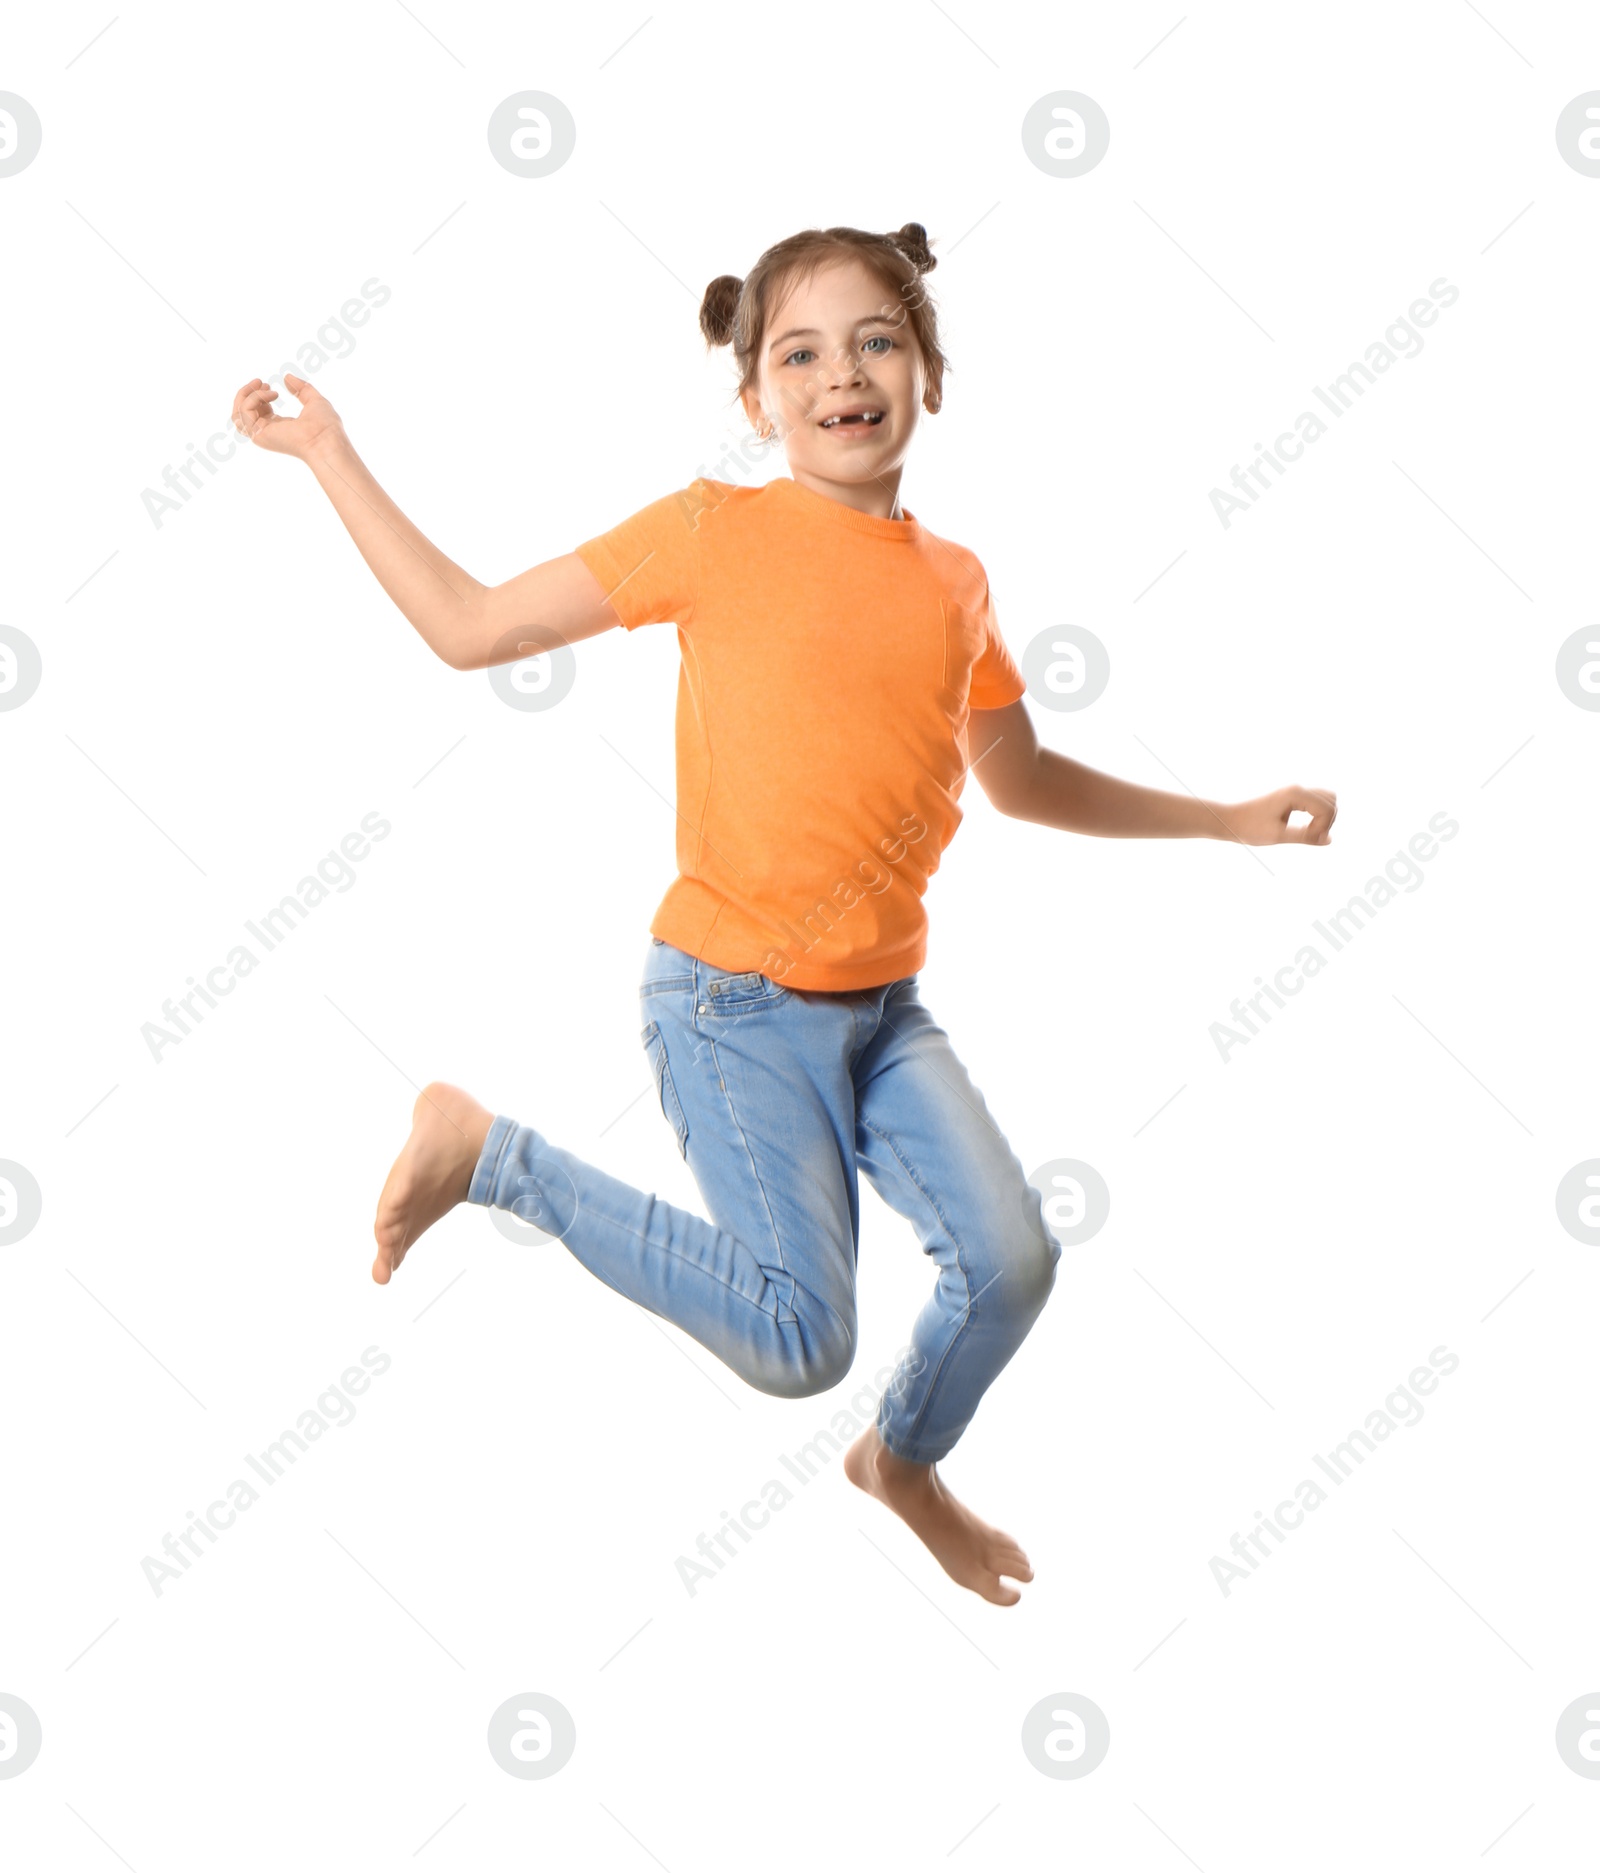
(736, 311)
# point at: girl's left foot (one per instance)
(972, 1553)
(433, 1172)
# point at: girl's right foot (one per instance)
(971, 1552)
(433, 1172)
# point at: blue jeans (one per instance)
(776, 1096)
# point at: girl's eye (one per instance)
(882, 338)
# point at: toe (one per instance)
(390, 1250)
(998, 1593)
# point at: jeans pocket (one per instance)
(735, 994)
(655, 1048)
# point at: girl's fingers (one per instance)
(241, 394)
(248, 406)
(255, 411)
(1323, 807)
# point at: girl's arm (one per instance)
(468, 624)
(1028, 782)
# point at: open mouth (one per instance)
(858, 419)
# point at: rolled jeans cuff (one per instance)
(487, 1169)
(517, 1170)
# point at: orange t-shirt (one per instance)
(829, 659)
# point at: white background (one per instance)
(225, 696)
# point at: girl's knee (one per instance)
(1029, 1270)
(1039, 1252)
(814, 1363)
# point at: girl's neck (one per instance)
(878, 496)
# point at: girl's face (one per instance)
(840, 345)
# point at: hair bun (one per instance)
(912, 240)
(718, 307)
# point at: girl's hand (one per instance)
(307, 435)
(1266, 821)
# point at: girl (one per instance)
(838, 662)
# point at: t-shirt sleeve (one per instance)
(649, 564)
(996, 680)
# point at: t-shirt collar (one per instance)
(826, 508)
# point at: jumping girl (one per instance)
(842, 668)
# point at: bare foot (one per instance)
(971, 1552)
(433, 1172)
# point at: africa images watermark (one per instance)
(333, 1408)
(1400, 340)
(222, 446)
(1401, 1408)
(806, 1463)
(274, 926)
(828, 912)
(1340, 927)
